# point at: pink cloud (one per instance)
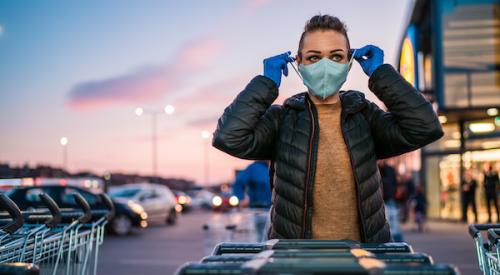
(140, 86)
(200, 55)
(147, 84)
(257, 3)
(251, 6)
(220, 92)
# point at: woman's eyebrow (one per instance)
(337, 50)
(313, 51)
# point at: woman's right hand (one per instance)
(276, 65)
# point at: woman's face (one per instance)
(319, 44)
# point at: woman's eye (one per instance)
(337, 58)
(313, 58)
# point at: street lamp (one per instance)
(64, 142)
(169, 109)
(206, 136)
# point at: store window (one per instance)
(471, 53)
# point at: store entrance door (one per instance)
(443, 184)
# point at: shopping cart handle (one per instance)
(238, 248)
(475, 229)
(494, 236)
(17, 217)
(54, 210)
(19, 269)
(106, 200)
(209, 268)
(84, 205)
(443, 269)
(405, 258)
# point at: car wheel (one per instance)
(121, 225)
(172, 217)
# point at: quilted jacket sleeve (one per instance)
(248, 127)
(409, 123)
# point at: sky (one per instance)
(79, 69)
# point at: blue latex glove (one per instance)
(370, 58)
(276, 65)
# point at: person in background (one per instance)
(404, 192)
(468, 190)
(490, 190)
(253, 189)
(419, 203)
(389, 188)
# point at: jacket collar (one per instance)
(352, 101)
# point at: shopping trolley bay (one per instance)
(52, 240)
(207, 242)
(244, 254)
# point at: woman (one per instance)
(468, 188)
(324, 143)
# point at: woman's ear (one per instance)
(298, 59)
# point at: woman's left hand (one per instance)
(370, 58)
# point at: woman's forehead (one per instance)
(324, 41)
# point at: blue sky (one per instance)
(80, 68)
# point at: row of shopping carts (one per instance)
(487, 241)
(315, 257)
(51, 240)
(238, 253)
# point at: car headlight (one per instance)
(182, 199)
(217, 201)
(135, 207)
(233, 201)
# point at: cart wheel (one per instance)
(172, 217)
(121, 225)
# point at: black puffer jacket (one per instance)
(252, 128)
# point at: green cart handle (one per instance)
(14, 212)
(54, 209)
(494, 236)
(19, 269)
(238, 248)
(475, 229)
(435, 269)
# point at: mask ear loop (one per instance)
(352, 57)
(295, 68)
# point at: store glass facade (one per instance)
(451, 53)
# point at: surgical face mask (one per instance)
(325, 77)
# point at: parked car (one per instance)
(183, 200)
(224, 201)
(129, 215)
(201, 199)
(157, 200)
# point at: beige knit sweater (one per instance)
(335, 212)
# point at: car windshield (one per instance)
(124, 193)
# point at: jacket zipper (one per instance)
(360, 211)
(308, 176)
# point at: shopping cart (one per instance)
(406, 258)
(248, 248)
(232, 250)
(486, 251)
(316, 257)
(59, 241)
(289, 256)
(493, 256)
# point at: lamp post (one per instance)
(64, 142)
(206, 136)
(169, 109)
